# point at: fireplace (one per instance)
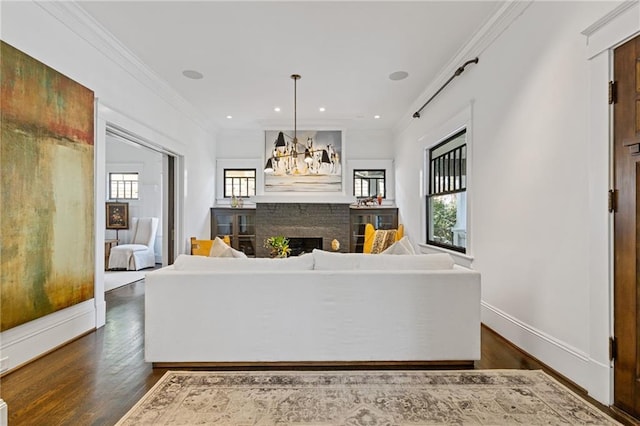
(302, 245)
(320, 222)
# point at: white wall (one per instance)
(57, 35)
(527, 103)
(366, 148)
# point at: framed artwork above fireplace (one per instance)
(311, 163)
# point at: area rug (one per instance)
(362, 398)
(115, 279)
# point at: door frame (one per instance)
(109, 116)
(610, 31)
(169, 164)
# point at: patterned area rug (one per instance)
(362, 398)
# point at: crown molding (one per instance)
(501, 20)
(609, 17)
(613, 29)
(86, 27)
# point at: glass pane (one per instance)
(228, 187)
(464, 166)
(368, 183)
(383, 222)
(239, 173)
(246, 225)
(448, 220)
(448, 165)
(224, 224)
(247, 245)
(357, 187)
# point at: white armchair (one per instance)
(140, 253)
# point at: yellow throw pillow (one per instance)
(201, 247)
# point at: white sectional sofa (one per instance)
(327, 308)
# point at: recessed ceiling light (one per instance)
(376, 116)
(321, 109)
(398, 75)
(193, 75)
(229, 117)
(277, 109)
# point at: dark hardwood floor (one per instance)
(98, 377)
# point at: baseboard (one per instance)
(29, 341)
(320, 365)
(568, 361)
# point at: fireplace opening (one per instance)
(302, 245)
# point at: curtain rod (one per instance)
(455, 74)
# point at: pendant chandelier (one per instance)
(286, 155)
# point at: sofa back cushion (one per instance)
(402, 246)
(185, 262)
(327, 261)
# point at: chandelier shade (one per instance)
(280, 143)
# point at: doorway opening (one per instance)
(154, 169)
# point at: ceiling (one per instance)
(247, 51)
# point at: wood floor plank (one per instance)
(97, 378)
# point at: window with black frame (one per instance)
(123, 186)
(369, 183)
(447, 193)
(239, 182)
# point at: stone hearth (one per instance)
(302, 220)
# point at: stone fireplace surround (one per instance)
(328, 221)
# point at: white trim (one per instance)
(614, 28)
(573, 363)
(100, 216)
(25, 342)
(86, 27)
(576, 365)
(461, 120)
(515, 324)
(121, 125)
(459, 258)
(390, 176)
(237, 163)
(602, 37)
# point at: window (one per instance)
(369, 183)
(123, 186)
(239, 182)
(447, 193)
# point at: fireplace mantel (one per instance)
(306, 199)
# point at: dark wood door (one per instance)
(171, 209)
(626, 117)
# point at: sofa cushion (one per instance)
(186, 262)
(238, 253)
(402, 246)
(383, 239)
(220, 249)
(327, 261)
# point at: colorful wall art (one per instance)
(47, 190)
(313, 164)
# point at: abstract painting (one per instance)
(47, 190)
(311, 163)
